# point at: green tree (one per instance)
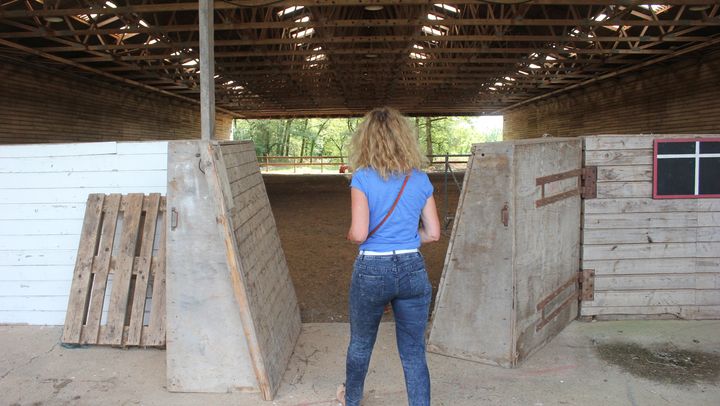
(329, 137)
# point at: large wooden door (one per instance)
(510, 278)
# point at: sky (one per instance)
(481, 123)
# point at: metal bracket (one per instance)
(541, 307)
(586, 185)
(544, 180)
(589, 182)
(586, 279)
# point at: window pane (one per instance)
(676, 148)
(676, 176)
(710, 176)
(710, 147)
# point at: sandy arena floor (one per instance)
(312, 213)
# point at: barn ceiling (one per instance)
(339, 57)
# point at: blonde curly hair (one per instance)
(387, 142)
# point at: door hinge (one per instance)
(586, 282)
(588, 178)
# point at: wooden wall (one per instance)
(207, 343)
(677, 97)
(228, 285)
(269, 291)
(504, 291)
(38, 106)
(43, 190)
(652, 258)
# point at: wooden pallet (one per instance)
(116, 245)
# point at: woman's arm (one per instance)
(360, 216)
(430, 229)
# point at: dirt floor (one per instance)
(665, 363)
(568, 371)
(312, 213)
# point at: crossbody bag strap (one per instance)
(397, 199)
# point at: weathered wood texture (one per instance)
(261, 278)
(680, 97)
(43, 192)
(474, 297)
(547, 243)
(38, 106)
(119, 271)
(651, 258)
(504, 290)
(207, 348)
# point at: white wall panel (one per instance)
(43, 189)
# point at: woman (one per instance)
(389, 194)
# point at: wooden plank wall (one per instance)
(678, 97)
(474, 309)
(504, 290)
(546, 258)
(207, 348)
(652, 258)
(265, 288)
(38, 106)
(43, 190)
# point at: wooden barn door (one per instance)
(510, 281)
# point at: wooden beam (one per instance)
(360, 51)
(452, 60)
(71, 44)
(207, 70)
(224, 5)
(99, 72)
(356, 74)
(278, 76)
(615, 73)
(362, 107)
(450, 22)
(582, 37)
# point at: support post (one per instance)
(446, 202)
(207, 70)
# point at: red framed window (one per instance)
(686, 168)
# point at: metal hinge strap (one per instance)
(588, 176)
(586, 280)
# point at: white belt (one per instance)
(395, 252)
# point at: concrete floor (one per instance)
(36, 370)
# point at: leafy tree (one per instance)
(329, 137)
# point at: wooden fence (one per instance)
(266, 162)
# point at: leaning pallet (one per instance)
(119, 267)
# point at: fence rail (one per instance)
(269, 161)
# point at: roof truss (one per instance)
(339, 57)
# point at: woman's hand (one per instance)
(430, 229)
(360, 217)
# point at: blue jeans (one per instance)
(401, 280)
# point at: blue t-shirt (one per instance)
(400, 231)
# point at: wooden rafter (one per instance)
(334, 57)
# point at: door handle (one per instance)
(173, 218)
